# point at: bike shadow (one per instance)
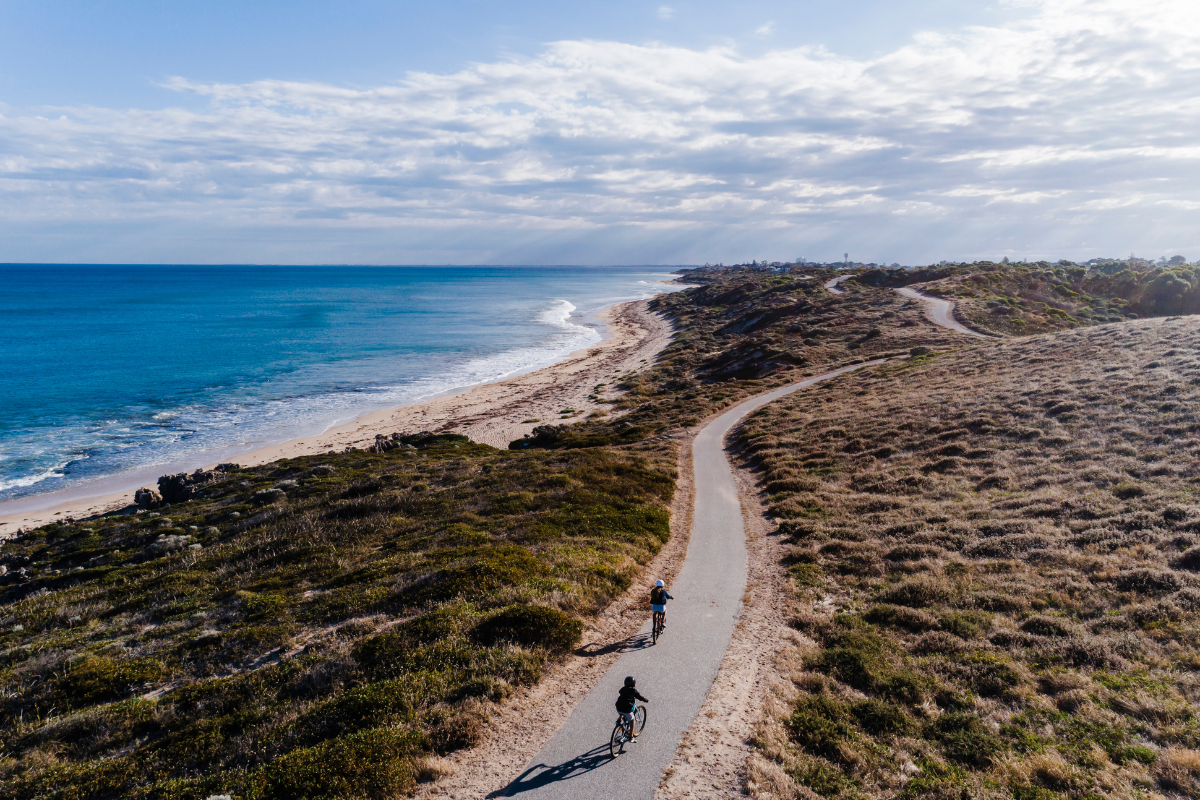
(639, 641)
(540, 775)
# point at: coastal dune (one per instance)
(493, 413)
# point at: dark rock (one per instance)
(384, 443)
(147, 498)
(181, 487)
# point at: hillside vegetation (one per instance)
(1024, 299)
(993, 547)
(327, 626)
(995, 555)
(741, 332)
(316, 627)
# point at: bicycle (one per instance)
(625, 730)
(656, 625)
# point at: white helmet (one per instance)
(659, 583)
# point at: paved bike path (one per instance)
(677, 672)
(940, 312)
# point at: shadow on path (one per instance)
(540, 775)
(638, 641)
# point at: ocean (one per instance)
(114, 370)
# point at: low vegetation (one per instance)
(321, 640)
(995, 557)
(741, 332)
(1025, 299)
(994, 550)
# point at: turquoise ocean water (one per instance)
(115, 370)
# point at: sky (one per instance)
(466, 131)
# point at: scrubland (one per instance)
(994, 554)
(1026, 299)
(317, 627)
(329, 626)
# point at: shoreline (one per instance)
(493, 413)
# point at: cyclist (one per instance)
(658, 600)
(626, 704)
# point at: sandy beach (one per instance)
(492, 413)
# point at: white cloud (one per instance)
(665, 12)
(1074, 129)
(765, 30)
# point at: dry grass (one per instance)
(996, 544)
(336, 642)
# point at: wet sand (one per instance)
(492, 413)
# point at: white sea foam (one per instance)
(190, 431)
(31, 480)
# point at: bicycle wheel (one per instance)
(616, 742)
(639, 720)
(654, 628)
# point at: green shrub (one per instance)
(438, 624)
(531, 626)
(902, 686)
(109, 777)
(820, 724)
(94, 679)
(851, 664)
(373, 764)
(966, 624)
(824, 779)
(386, 703)
(485, 573)
(877, 717)
(965, 740)
(909, 619)
(807, 574)
(263, 606)
(377, 653)
(989, 675)
(917, 593)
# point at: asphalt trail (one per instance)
(677, 672)
(940, 312)
(831, 285)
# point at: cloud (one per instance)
(765, 30)
(1069, 133)
(665, 12)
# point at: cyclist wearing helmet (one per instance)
(626, 704)
(658, 600)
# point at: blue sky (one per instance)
(538, 132)
(115, 53)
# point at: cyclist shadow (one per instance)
(639, 641)
(540, 775)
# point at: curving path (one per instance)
(941, 312)
(677, 672)
(831, 285)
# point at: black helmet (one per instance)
(630, 682)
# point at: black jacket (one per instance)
(626, 697)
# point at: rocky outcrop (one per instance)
(384, 444)
(183, 486)
(414, 441)
(147, 499)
